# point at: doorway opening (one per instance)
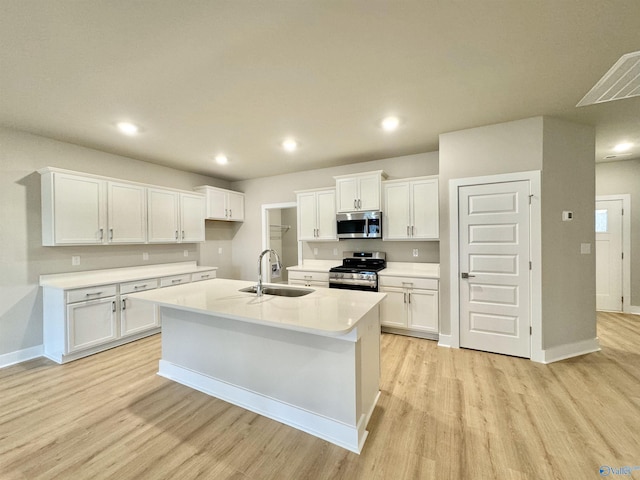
(279, 233)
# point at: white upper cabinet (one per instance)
(317, 215)
(175, 217)
(222, 204)
(127, 212)
(73, 209)
(192, 212)
(411, 209)
(359, 191)
(84, 209)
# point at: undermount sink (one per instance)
(280, 291)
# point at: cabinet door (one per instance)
(216, 204)
(424, 202)
(137, 316)
(79, 210)
(127, 213)
(192, 211)
(235, 206)
(307, 220)
(369, 192)
(326, 215)
(393, 310)
(396, 211)
(91, 323)
(346, 194)
(162, 216)
(423, 310)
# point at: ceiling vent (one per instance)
(621, 81)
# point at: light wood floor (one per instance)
(443, 413)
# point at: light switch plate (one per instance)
(415, 252)
(145, 256)
(186, 253)
(585, 248)
(219, 250)
(315, 251)
(75, 260)
(335, 251)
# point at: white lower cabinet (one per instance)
(91, 323)
(411, 306)
(137, 316)
(83, 321)
(309, 278)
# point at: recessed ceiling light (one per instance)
(389, 124)
(128, 128)
(623, 147)
(222, 159)
(289, 145)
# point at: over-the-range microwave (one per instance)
(359, 224)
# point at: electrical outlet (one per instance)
(335, 251)
(315, 251)
(219, 250)
(145, 256)
(75, 260)
(415, 252)
(186, 253)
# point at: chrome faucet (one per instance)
(278, 263)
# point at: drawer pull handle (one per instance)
(204, 276)
(124, 304)
(176, 281)
(95, 293)
(113, 306)
(140, 286)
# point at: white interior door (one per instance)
(609, 255)
(494, 266)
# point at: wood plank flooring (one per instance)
(443, 413)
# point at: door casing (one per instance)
(537, 353)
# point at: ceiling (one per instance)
(205, 77)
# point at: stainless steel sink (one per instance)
(279, 291)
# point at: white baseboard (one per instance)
(632, 309)
(21, 356)
(445, 341)
(346, 436)
(562, 352)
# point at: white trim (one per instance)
(346, 436)
(535, 253)
(626, 248)
(562, 352)
(634, 310)
(266, 234)
(444, 341)
(20, 356)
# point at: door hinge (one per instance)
(622, 212)
(622, 300)
(530, 197)
(530, 266)
(622, 255)
(530, 330)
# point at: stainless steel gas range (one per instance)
(359, 271)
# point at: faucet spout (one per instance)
(264, 252)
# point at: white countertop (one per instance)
(328, 312)
(408, 269)
(394, 269)
(91, 278)
(322, 266)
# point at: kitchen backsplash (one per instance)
(428, 252)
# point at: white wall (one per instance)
(563, 151)
(280, 189)
(624, 177)
(22, 257)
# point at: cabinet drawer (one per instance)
(91, 293)
(309, 276)
(209, 274)
(175, 280)
(408, 282)
(139, 286)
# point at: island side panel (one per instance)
(312, 372)
(368, 365)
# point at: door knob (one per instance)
(466, 275)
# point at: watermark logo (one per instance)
(606, 470)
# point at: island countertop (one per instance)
(327, 312)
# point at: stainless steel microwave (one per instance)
(359, 224)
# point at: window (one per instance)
(602, 219)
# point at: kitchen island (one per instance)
(311, 362)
